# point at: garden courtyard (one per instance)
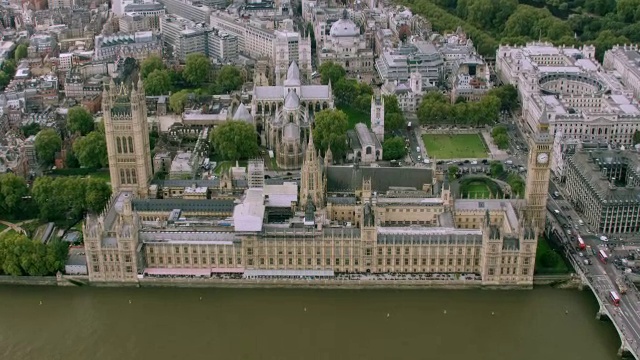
(454, 146)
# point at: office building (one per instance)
(624, 62)
(421, 56)
(604, 185)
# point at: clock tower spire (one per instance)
(538, 172)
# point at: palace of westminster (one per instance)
(336, 219)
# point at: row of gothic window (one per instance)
(121, 144)
(128, 176)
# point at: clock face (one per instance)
(543, 158)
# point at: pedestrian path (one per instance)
(11, 226)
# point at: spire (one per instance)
(140, 85)
(311, 148)
(328, 157)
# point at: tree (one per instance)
(393, 116)
(30, 129)
(149, 65)
(197, 69)
(12, 191)
(393, 148)
(4, 80)
(91, 150)
(636, 137)
(79, 120)
(235, 140)
(21, 52)
(178, 100)
(501, 141)
(404, 32)
(628, 10)
(331, 131)
(453, 172)
(157, 83)
(331, 72)
(20, 255)
(500, 137)
(9, 67)
(517, 184)
(549, 259)
(229, 79)
(47, 143)
(97, 195)
(128, 67)
(508, 96)
(496, 169)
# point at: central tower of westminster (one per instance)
(338, 219)
(127, 136)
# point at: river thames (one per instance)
(170, 323)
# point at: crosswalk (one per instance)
(602, 283)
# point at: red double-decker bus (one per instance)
(581, 244)
(615, 298)
(603, 256)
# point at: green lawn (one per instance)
(355, 116)
(458, 146)
(543, 247)
(476, 190)
(101, 174)
(2, 227)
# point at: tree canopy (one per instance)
(571, 22)
(157, 82)
(21, 52)
(20, 256)
(436, 109)
(235, 140)
(393, 148)
(393, 115)
(500, 137)
(636, 137)
(79, 120)
(91, 150)
(149, 65)
(47, 143)
(12, 191)
(197, 69)
(63, 198)
(331, 72)
(228, 79)
(331, 130)
(178, 100)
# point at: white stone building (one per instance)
(408, 93)
(566, 89)
(624, 61)
(346, 46)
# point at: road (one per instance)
(601, 275)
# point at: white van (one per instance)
(580, 222)
(418, 148)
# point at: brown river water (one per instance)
(281, 324)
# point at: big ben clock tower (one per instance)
(537, 188)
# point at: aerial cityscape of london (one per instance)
(320, 179)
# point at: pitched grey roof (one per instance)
(242, 114)
(216, 205)
(292, 101)
(364, 135)
(349, 178)
(293, 75)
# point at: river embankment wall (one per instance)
(64, 280)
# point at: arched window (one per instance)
(119, 145)
(122, 176)
(130, 144)
(128, 176)
(368, 150)
(124, 145)
(134, 178)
